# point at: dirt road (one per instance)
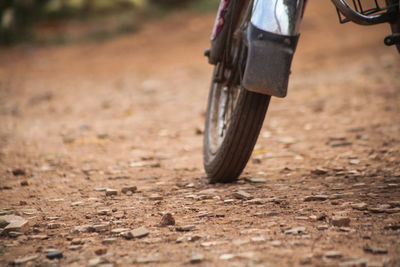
(77, 121)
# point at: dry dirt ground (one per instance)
(323, 182)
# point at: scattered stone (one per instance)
(15, 234)
(255, 201)
(118, 231)
(167, 219)
(24, 183)
(180, 239)
(257, 180)
(276, 243)
(100, 189)
(18, 172)
(76, 203)
(336, 196)
(24, 260)
(359, 206)
(109, 241)
(197, 258)
(295, 230)
(14, 223)
(99, 228)
(226, 256)
(139, 232)
(77, 241)
(333, 254)
(354, 161)
(209, 244)
(100, 251)
(106, 212)
(111, 192)
(54, 254)
(258, 239)
(346, 229)
(38, 237)
(53, 225)
(74, 247)
(272, 213)
(316, 198)
(319, 171)
(155, 197)
(394, 210)
(126, 189)
(340, 144)
(374, 250)
(392, 185)
(340, 221)
(241, 195)
(81, 229)
(322, 227)
(185, 228)
(377, 210)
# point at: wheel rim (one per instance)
(224, 99)
(225, 88)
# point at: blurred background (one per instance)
(65, 21)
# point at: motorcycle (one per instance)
(252, 47)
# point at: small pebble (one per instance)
(340, 221)
(197, 258)
(359, 206)
(18, 172)
(167, 219)
(333, 254)
(272, 213)
(322, 227)
(100, 251)
(74, 247)
(54, 254)
(109, 241)
(118, 231)
(111, 192)
(139, 232)
(77, 241)
(316, 198)
(241, 195)
(295, 230)
(276, 243)
(126, 189)
(319, 171)
(155, 197)
(185, 228)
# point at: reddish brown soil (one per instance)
(129, 111)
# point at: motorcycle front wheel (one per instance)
(233, 122)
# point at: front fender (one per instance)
(268, 62)
(272, 37)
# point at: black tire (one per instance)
(226, 162)
(234, 115)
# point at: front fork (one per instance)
(272, 37)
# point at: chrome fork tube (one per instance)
(281, 17)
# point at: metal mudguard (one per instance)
(268, 62)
